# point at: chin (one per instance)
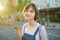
(27, 19)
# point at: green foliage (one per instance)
(10, 9)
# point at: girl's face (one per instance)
(29, 14)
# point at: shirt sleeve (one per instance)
(23, 28)
(43, 33)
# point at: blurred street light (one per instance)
(39, 8)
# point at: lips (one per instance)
(27, 15)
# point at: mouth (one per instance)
(27, 16)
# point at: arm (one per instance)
(43, 33)
(18, 32)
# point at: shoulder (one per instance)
(24, 25)
(41, 26)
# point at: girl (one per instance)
(32, 30)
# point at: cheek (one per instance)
(33, 14)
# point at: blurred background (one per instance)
(11, 15)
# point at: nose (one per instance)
(28, 13)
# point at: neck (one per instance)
(31, 23)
